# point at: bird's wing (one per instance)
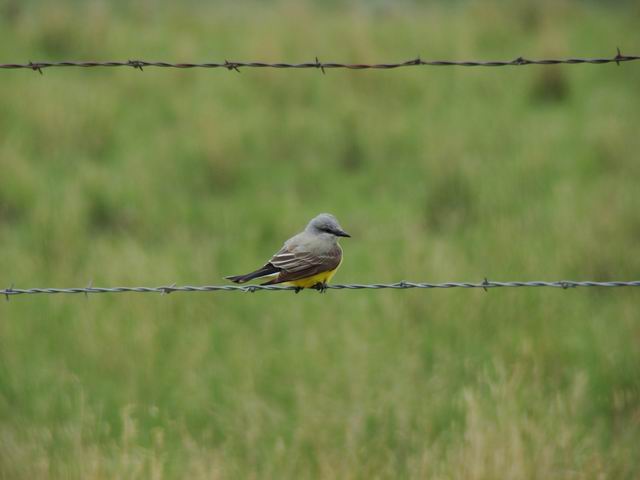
(295, 264)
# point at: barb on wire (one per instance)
(402, 285)
(237, 65)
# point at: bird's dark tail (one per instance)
(268, 269)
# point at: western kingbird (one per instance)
(308, 259)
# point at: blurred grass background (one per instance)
(440, 174)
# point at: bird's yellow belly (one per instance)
(324, 277)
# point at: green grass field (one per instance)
(440, 174)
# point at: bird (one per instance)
(307, 260)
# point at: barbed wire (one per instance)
(486, 285)
(322, 66)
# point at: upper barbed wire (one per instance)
(402, 285)
(323, 66)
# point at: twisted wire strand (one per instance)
(322, 66)
(486, 284)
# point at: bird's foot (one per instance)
(297, 289)
(321, 287)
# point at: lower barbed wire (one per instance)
(402, 285)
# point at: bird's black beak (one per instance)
(341, 233)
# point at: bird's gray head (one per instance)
(328, 224)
